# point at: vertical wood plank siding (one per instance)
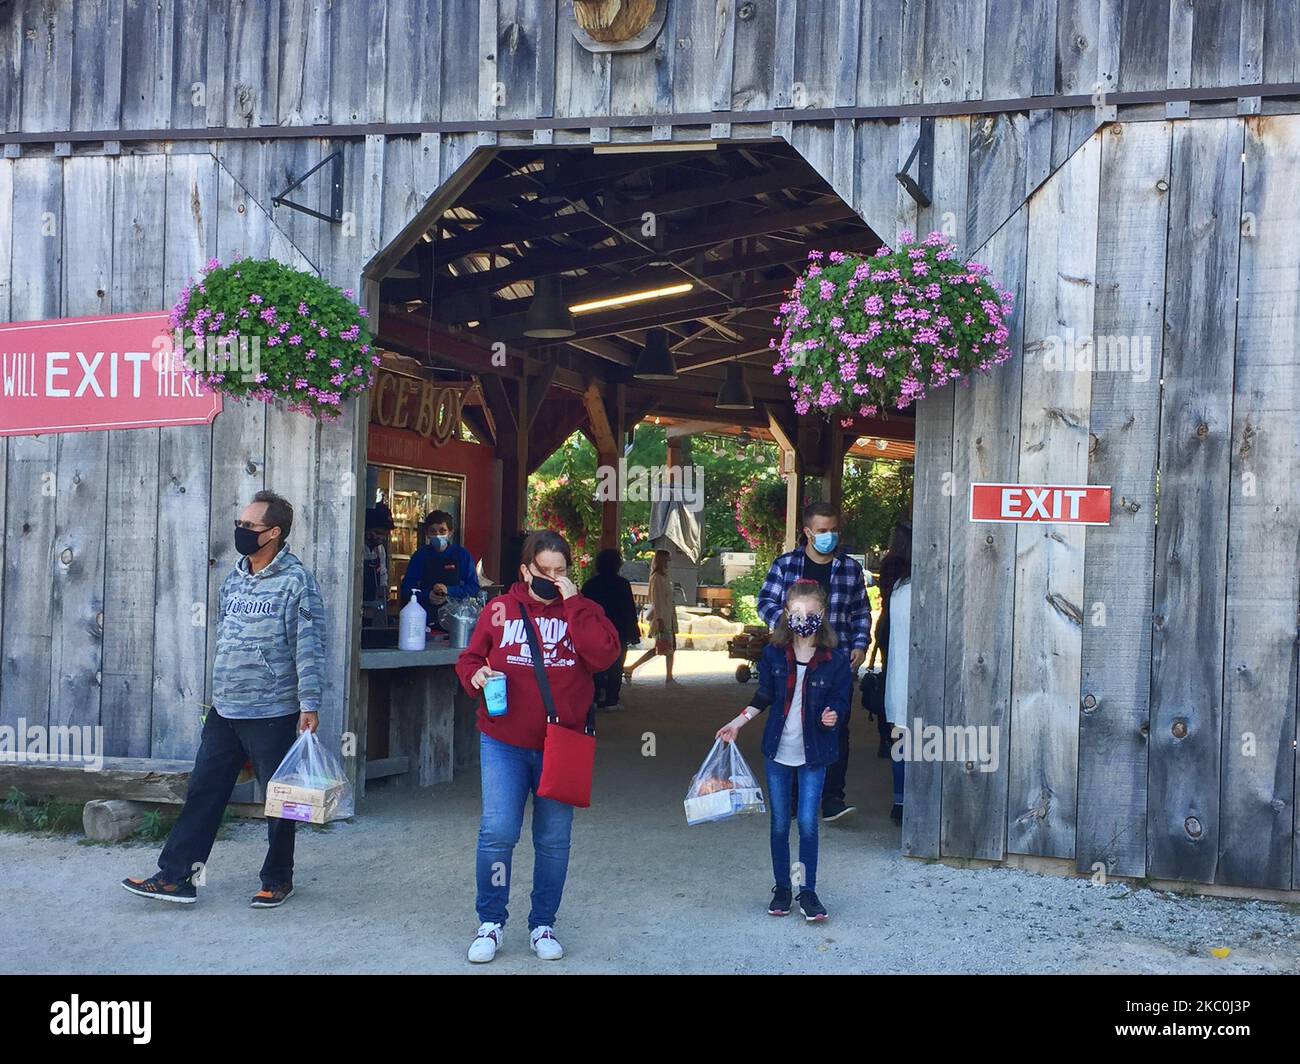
(1183, 822)
(1142, 677)
(1123, 428)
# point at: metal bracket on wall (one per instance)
(919, 189)
(335, 217)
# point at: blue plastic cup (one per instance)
(494, 694)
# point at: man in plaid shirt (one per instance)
(848, 612)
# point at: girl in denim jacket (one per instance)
(807, 683)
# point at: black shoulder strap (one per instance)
(534, 645)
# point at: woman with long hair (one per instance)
(574, 641)
(663, 618)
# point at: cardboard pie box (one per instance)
(312, 801)
(706, 807)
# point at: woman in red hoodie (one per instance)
(577, 641)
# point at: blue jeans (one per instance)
(780, 783)
(510, 774)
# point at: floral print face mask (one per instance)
(806, 625)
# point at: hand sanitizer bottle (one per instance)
(412, 626)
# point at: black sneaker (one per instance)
(160, 890)
(781, 898)
(268, 898)
(811, 907)
(896, 814)
(835, 810)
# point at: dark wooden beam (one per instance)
(560, 419)
(737, 224)
(736, 353)
(480, 423)
(604, 349)
(576, 175)
(695, 406)
(593, 400)
(416, 335)
(621, 210)
(667, 311)
(537, 389)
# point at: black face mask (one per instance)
(543, 588)
(246, 541)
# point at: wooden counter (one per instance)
(409, 659)
(413, 708)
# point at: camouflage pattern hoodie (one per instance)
(270, 641)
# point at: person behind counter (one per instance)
(374, 569)
(440, 569)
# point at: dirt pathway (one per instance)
(392, 891)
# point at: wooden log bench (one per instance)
(119, 793)
(140, 779)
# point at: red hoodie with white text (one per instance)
(577, 641)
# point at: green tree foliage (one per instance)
(876, 494)
(727, 467)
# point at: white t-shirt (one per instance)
(900, 626)
(790, 750)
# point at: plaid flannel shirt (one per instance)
(848, 611)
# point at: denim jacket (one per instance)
(828, 684)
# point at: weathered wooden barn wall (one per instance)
(121, 64)
(1143, 676)
(115, 543)
(211, 102)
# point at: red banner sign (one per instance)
(1065, 504)
(89, 374)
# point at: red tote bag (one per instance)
(569, 757)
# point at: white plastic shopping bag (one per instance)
(310, 784)
(723, 787)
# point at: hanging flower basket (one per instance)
(563, 506)
(258, 329)
(862, 336)
(760, 514)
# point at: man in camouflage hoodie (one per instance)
(266, 689)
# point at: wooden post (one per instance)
(510, 413)
(833, 481)
(791, 468)
(606, 421)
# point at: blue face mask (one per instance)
(826, 542)
(440, 542)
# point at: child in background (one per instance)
(808, 683)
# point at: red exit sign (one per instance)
(1065, 504)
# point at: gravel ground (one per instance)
(392, 891)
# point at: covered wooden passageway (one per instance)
(585, 289)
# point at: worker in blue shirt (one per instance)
(440, 569)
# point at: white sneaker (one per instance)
(486, 943)
(545, 944)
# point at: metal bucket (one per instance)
(459, 630)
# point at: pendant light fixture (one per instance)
(734, 393)
(655, 362)
(548, 317)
